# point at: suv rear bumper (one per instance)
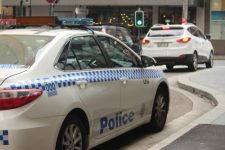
(185, 59)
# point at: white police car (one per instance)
(178, 44)
(74, 89)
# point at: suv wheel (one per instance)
(209, 64)
(194, 65)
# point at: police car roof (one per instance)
(44, 32)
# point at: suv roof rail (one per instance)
(188, 23)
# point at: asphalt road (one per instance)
(209, 132)
(185, 107)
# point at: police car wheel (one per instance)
(160, 110)
(72, 135)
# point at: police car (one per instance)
(66, 89)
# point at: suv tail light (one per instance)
(184, 40)
(165, 27)
(10, 99)
(145, 41)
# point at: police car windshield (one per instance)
(20, 50)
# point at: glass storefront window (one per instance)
(173, 15)
(217, 23)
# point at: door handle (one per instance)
(124, 80)
(82, 83)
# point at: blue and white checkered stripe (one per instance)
(11, 66)
(70, 79)
(4, 137)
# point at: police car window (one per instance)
(21, 50)
(88, 53)
(110, 30)
(120, 36)
(119, 54)
(68, 60)
(127, 37)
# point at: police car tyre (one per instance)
(72, 135)
(209, 64)
(194, 65)
(169, 67)
(160, 110)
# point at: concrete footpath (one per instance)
(208, 131)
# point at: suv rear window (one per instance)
(20, 49)
(164, 32)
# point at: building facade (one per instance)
(208, 15)
(217, 25)
(107, 11)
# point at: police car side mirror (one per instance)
(147, 61)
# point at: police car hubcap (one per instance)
(72, 139)
(160, 110)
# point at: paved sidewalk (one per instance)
(207, 132)
(219, 57)
(209, 83)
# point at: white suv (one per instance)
(182, 44)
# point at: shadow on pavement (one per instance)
(126, 139)
(202, 137)
(181, 70)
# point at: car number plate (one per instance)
(162, 44)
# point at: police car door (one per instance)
(97, 90)
(135, 89)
